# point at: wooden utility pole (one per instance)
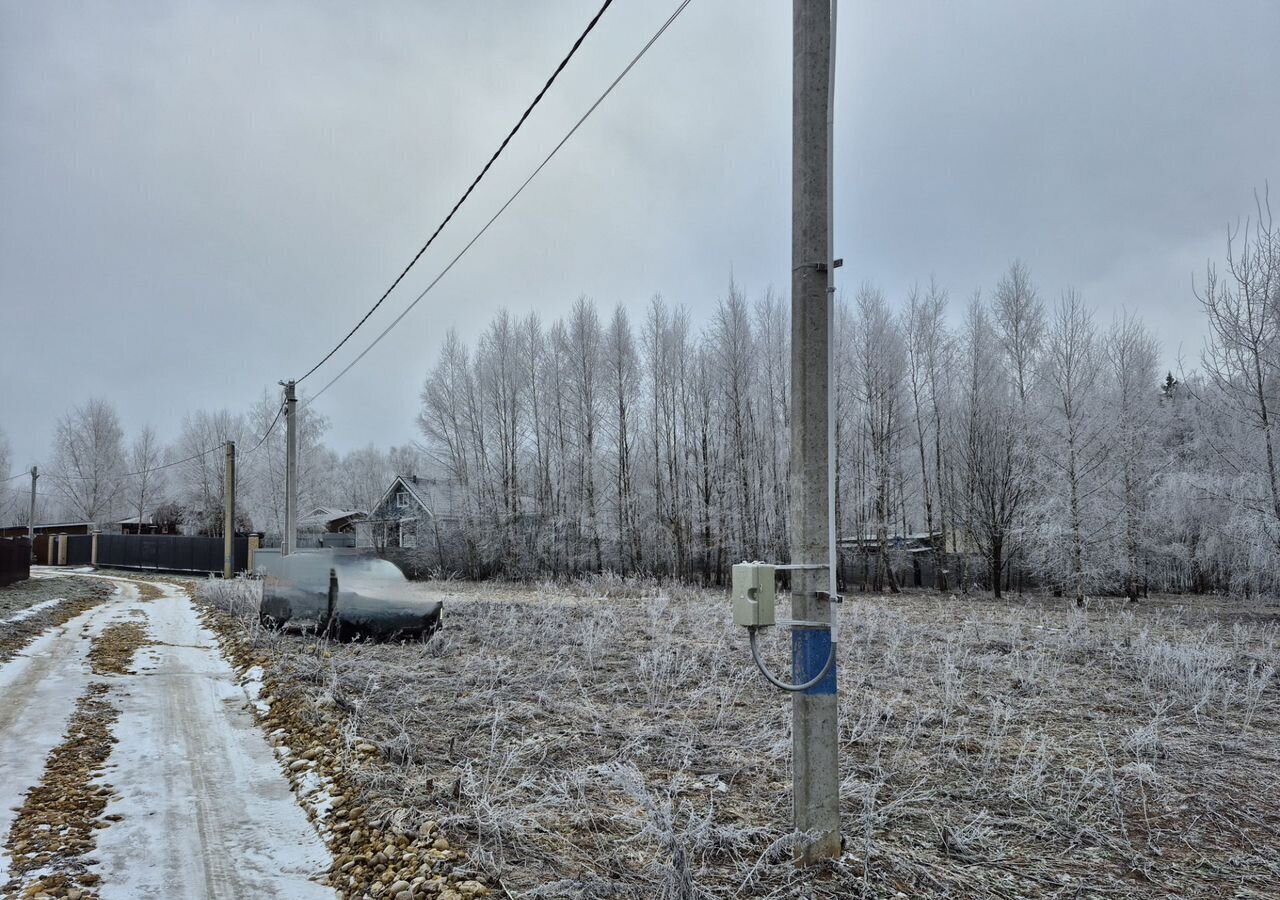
(31, 519)
(815, 754)
(289, 540)
(229, 514)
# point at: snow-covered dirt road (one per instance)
(38, 692)
(198, 805)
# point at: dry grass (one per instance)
(605, 739)
(76, 594)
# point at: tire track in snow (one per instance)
(41, 687)
(204, 809)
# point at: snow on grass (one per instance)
(34, 610)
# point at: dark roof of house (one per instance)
(405, 482)
(323, 515)
(437, 497)
(40, 525)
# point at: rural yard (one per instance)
(613, 739)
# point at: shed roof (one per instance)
(323, 515)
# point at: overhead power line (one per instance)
(17, 475)
(267, 433)
(471, 187)
(510, 200)
(177, 462)
(168, 465)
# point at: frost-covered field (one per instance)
(608, 739)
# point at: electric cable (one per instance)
(169, 465)
(17, 475)
(782, 685)
(176, 462)
(471, 187)
(510, 200)
(267, 434)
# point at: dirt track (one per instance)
(198, 805)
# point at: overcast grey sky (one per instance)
(199, 199)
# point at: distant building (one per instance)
(328, 527)
(45, 534)
(916, 542)
(146, 525)
(414, 509)
(957, 541)
(48, 528)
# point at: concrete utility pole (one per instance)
(31, 520)
(815, 754)
(289, 540)
(229, 514)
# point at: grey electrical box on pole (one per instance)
(229, 514)
(289, 540)
(816, 760)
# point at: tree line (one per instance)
(1021, 437)
(1009, 436)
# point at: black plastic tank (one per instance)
(348, 594)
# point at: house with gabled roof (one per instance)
(414, 509)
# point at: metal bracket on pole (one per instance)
(803, 623)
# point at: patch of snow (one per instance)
(252, 683)
(34, 609)
(314, 789)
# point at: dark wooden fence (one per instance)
(43, 549)
(79, 549)
(165, 552)
(15, 560)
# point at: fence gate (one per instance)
(79, 549)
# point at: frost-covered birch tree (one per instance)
(89, 461)
(881, 365)
(1242, 352)
(926, 338)
(146, 455)
(1133, 357)
(1075, 445)
(992, 486)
